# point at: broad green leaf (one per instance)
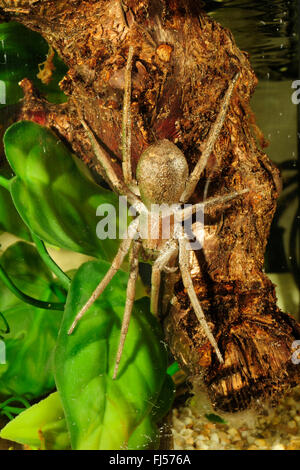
(30, 344)
(42, 426)
(103, 413)
(147, 435)
(10, 221)
(20, 59)
(51, 194)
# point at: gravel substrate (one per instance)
(269, 429)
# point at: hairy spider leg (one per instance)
(126, 125)
(188, 284)
(184, 261)
(188, 211)
(160, 263)
(7, 6)
(115, 266)
(122, 12)
(130, 296)
(121, 188)
(209, 144)
(114, 181)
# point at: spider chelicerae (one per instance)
(162, 177)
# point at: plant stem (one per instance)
(64, 279)
(26, 298)
(13, 410)
(7, 330)
(7, 414)
(59, 291)
(5, 183)
(15, 399)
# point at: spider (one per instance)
(161, 178)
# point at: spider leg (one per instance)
(130, 296)
(160, 263)
(122, 12)
(115, 266)
(225, 198)
(114, 181)
(207, 183)
(17, 10)
(188, 284)
(126, 125)
(188, 211)
(209, 145)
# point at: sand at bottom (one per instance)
(267, 429)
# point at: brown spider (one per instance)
(162, 178)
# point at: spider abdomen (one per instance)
(162, 173)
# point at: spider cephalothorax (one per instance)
(162, 178)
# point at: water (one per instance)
(269, 32)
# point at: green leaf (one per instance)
(145, 436)
(30, 343)
(42, 426)
(103, 413)
(10, 221)
(20, 59)
(51, 194)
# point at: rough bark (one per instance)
(183, 63)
